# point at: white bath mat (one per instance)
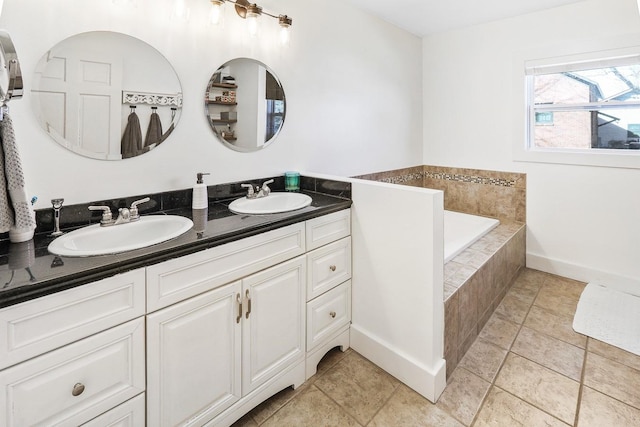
(609, 315)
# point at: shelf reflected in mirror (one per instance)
(245, 104)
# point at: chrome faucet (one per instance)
(260, 190)
(125, 215)
(264, 189)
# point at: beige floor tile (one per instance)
(555, 325)
(463, 396)
(513, 309)
(530, 279)
(527, 295)
(613, 379)
(550, 352)
(560, 295)
(245, 421)
(310, 408)
(406, 408)
(598, 410)
(540, 386)
(270, 406)
(614, 353)
(330, 360)
(502, 409)
(499, 332)
(483, 359)
(357, 385)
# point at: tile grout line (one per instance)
(533, 361)
(581, 389)
(520, 326)
(386, 402)
(493, 381)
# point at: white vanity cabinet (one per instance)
(206, 353)
(214, 355)
(197, 340)
(73, 355)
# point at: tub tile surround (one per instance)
(495, 194)
(476, 280)
(500, 382)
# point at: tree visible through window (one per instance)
(585, 106)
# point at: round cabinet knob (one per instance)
(332, 267)
(332, 314)
(77, 389)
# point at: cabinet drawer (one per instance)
(129, 414)
(328, 266)
(184, 277)
(328, 228)
(103, 371)
(43, 324)
(328, 313)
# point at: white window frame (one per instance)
(567, 56)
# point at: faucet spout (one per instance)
(124, 215)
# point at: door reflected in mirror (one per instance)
(106, 95)
(245, 104)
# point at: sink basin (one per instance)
(97, 240)
(273, 203)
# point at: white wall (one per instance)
(353, 87)
(583, 222)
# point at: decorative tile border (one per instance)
(476, 179)
(401, 179)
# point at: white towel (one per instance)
(16, 213)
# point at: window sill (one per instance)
(628, 159)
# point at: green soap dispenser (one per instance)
(200, 204)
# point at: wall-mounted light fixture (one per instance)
(252, 13)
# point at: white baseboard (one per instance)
(583, 273)
(429, 383)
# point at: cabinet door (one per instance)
(193, 357)
(274, 331)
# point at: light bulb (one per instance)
(216, 14)
(252, 24)
(253, 15)
(285, 29)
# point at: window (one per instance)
(591, 106)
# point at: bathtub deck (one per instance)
(475, 281)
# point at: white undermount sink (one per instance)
(273, 203)
(97, 240)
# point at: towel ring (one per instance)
(9, 61)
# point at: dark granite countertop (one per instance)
(28, 270)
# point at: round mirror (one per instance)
(245, 104)
(106, 95)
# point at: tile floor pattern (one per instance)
(526, 368)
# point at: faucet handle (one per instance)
(264, 188)
(250, 192)
(133, 210)
(107, 218)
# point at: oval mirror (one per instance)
(106, 95)
(245, 104)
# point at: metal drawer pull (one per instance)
(78, 388)
(239, 300)
(248, 303)
(332, 267)
(333, 314)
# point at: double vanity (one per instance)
(196, 330)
